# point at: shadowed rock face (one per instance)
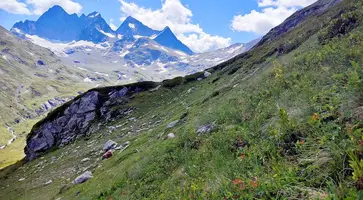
(78, 117)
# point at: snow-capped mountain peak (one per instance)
(168, 39)
(132, 26)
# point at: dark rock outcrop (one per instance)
(78, 117)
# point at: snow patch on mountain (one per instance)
(83, 69)
(232, 50)
(131, 25)
(102, 74)
(110, 35)
(60, 49)
(87, 80)
(124, 53)
(95, 15)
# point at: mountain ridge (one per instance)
(56, 24)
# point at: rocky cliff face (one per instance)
(79, 117)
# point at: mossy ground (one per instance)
(289, 127)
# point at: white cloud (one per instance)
(274, 12)
(40, 6)
(14, 7)
(285, 3)
(178, 17)
(112, 25)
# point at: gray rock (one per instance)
(207, 74)
(85, 160)
(123, 146)
(109, 145)
(172, 124)
(171, 135)
(207, 128)
(155, 89)
(77, 118)
(132, 119)
(48, 182)
(83, 177)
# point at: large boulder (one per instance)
(83, 178)
(109, 145)
(172, 124)
(207, 128)
(80, 116)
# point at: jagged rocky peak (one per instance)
(94, 14)
(168, 39)
(132, 26)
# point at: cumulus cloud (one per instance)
(285, 3)
(274, 12)
(179, 18)
(14, 7)
(112, 25)
(40, 6)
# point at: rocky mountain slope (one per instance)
(33, 81)
(269, 124)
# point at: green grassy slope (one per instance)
(26, 85)
(287, 125)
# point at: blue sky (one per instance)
(201, 24)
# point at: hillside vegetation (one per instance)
(31, 77)
(282, 121)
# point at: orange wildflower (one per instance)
(237, 181)
(242, 185)
(302, 142)
(243, 156)
(315, 116)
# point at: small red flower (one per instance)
(302, 142)
(240, 183)
(237, 181)
(243, 156)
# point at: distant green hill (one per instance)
(32, 80)
(282, 121)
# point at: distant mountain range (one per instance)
(57, 25)
(133, 52)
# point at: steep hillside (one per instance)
(33, 80)
(282, 121)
